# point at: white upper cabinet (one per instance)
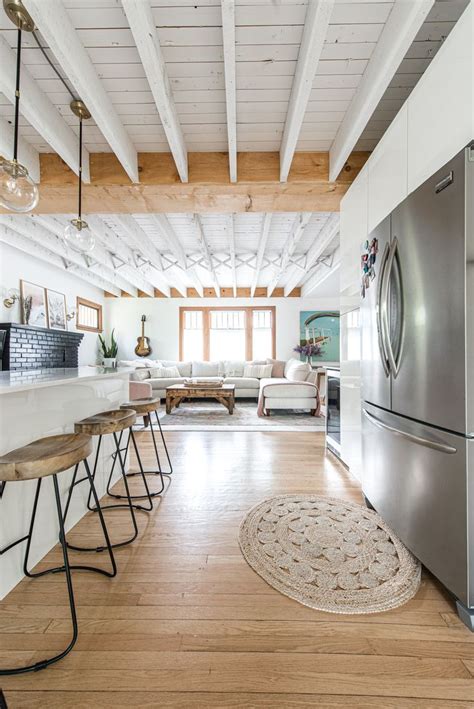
(441, 107)
(353, 233)
(388, 170)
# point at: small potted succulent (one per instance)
(308, 350)
(109, 352)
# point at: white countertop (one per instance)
(22, 380)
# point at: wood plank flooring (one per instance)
(187, 624)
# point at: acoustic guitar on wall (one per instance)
(143, 348)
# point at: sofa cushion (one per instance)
(184, 368)
(283, 389)
(258, 371)
(206, 369)
(278, 367)
(164, 372)
(140, 374)
(233, 367)
(243, 382)
(297, 371)
(163, 382)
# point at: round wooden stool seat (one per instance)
(46, 456)
(142, 406)
(106, 422)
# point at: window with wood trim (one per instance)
(244, 333)
(88, 315)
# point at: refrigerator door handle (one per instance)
(394, 362)
(378, 309)
(428, 443)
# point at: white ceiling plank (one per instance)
(262, 245)
(397, 35)
(55, 25)
(144, 31)
(28, 156)
(297, 231)
(322, 242)
(29, 228)
(321, 274)
(38, 110)
(228, 36)
(205, 252)
(316, 25)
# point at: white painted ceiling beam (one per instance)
(174, 245)
(205, 252)
(27, 154)
(39, 249)
(297, 231)
(262, 245)
(54, 23)
(143, 26)
(228, 38)
(321, 274)
(316, 24)
(401, 28)
(231, 235)
(38, 110)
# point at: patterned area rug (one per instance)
(329, 554)
(210, 415)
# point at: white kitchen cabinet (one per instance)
(388, 170)
(441, 107)
(353, 233)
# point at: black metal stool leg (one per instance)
(75, 482)
(42, 664)
(170, 471)
(142, 473)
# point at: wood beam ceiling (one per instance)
(208, 190)
(212, 293)
(228, 39)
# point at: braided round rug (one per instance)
(329, 554)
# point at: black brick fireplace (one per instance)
(27, 347)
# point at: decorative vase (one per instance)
(109, 361)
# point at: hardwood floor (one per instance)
(188, 624)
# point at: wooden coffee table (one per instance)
(224, 394)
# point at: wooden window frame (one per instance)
(88, 304)
(206, 310)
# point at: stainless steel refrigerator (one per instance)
(418, 377)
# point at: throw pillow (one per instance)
(258, 371)
(164, 373)
(278, 367)
(140, 374)
(234, 368)
(205, 369)
(298, 371)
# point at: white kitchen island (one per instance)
(39, 403)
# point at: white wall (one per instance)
(162, 325)
(16, 265)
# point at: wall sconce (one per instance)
(12, 297)
(70, 314)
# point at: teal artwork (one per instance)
(320, 329)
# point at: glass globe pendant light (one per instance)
(77, 233)
(18, 192)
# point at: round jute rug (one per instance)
(329, 554)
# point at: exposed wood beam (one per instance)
(321, 274)
(104, 254)
(53, 21)
(37, 242)
(143, 26)
(318, 14)
(27, 153)
(262, 245)
(38, 110)
(300, 224)
(160, 191)
(228, 39)
(399, 31)
(205, 251)
(327, 234)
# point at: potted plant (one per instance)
(109, 352)
(308, 350)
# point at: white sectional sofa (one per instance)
(295, 389)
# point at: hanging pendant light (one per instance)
(77, 233)
(18, 192)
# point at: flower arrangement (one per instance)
(308, 350)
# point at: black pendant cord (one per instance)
(79, 209)
(17, 97)
(43, 51)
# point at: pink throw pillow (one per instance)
(278, 367)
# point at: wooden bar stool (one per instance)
(145, 408)
(110, 422)
(40, 459)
